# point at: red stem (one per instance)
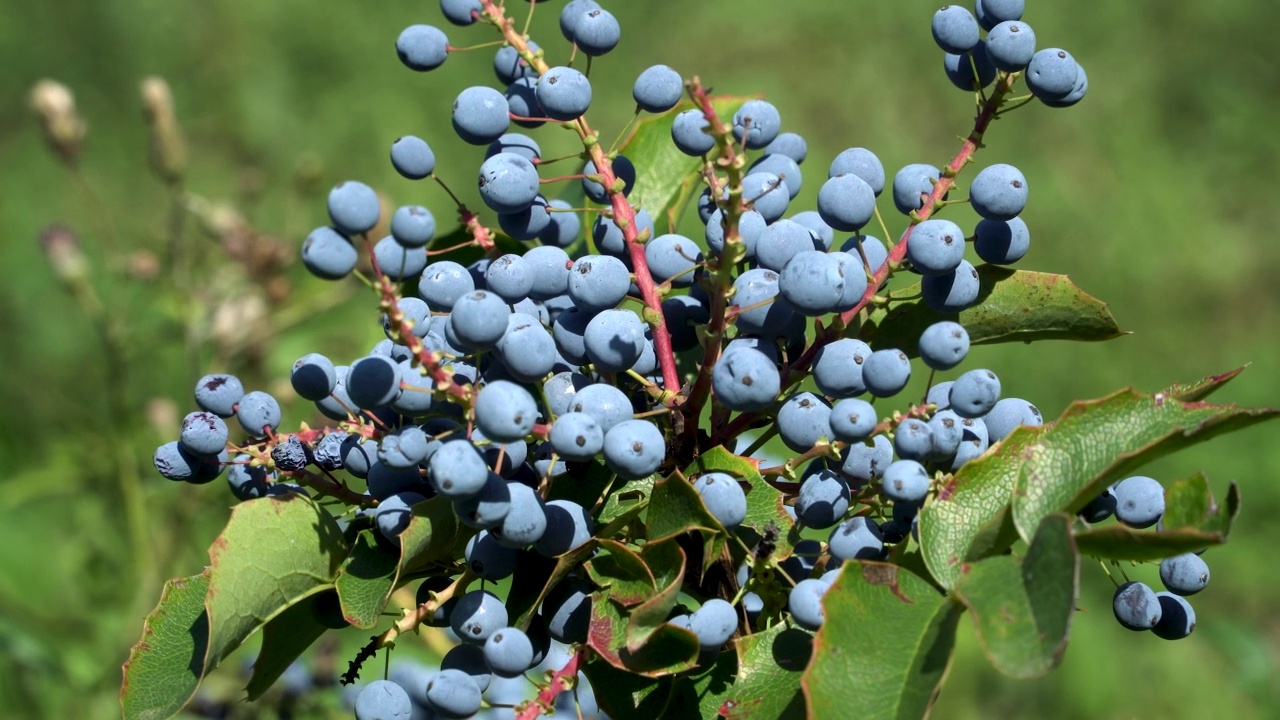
(560, 681)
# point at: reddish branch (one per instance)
(944, 184)
(562, 680)
(624, 215)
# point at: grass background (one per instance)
(1152, 194)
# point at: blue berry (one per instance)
(219, 393)
(837, 368)
(467, 658)
(358, 454)
(373, 382)
(846, 202)
(509, 66)
(855, 281)
(804, 602)
(857, 538)
(525, 522)
(745, 380)
(714, 623)
(508, 183)
(1076, 95)
(569, 332)
(623, 170)
(509, 652)
(526, 224)
(1185, 574)
(852, 420)
(824, 234)
(780, 242)
(723, 497)
(383, 700)
(871, 247)
(397, 261)
(568, 528)
(993, 12)
(443, 282)
(975, 393)
(416, 389)
(606, 403)
(509, 277)
(412, 157)
(943, 345)
(422, 47)
(769, 314)
(1177, 617)
(567, 610)
(517, 143)
(813, 282)
(912, 184)
(946, 432)
(457, 471)
(952, 292)
(596, 31)
(1099, 508)
(479, 319)
(488, 559)
(1011, 45)
(634, 448)
(789, 144)
(974, 442)
(862, 163)
(906, 481)
(940, 395)
(658, 89)
(487, 508)
(504, 411)
(564, 93)
(353, 207)
(862, 462)
(803, 420)
(935, 247)
(522, 104)
(766, 193)
(571, 13)
(784, 167)
(913, 440)
(1008, 414)
(1139, 501)
(610, 239)
(1052, 74)
(413, 226)
(758, 121)
(258, 413)
(174, 462)
(550, 271)
(886, 372)
(959, 68)
(291, 455)
(480, 115)
(1136, 606)
(614, 340)
(453, 694)
(247, 481)
(823, 499)
(394, 513)
(598, 282)
(955, 29)
(461, 12)
(204, 434)
(689, 132)
(1001, 242)
(563, 228)
(673, 258)
(999, 192)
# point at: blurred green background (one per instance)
(1152, 194)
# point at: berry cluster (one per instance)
(606, 345)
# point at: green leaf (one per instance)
(273, 553)
(627, 501)
(1192, 520)
(675, 509)
(165, 666)
(1193, 392)
(1094, 443)
(666, 179)
(764, 502)
(1022, 608)
(284, 639)
(770, 665)
(623, 572)
(584, 488)
(627, 696)
(668, 650)
(666, 561)
(701, 696)
(884, 647)
(1013, 306)
(434, 535)
(638, 592)
(365, 583)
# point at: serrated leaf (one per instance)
(666, 561)
(434, 535)
(668, 649)
(1193, 392)
(627, 696)
(884, 647)
(1097, 442)
(764, 502)
(770, 665)
(675, 508)
(1022, 608)
(366, 580)
(666, 178)
(627, 501)
(284, 639)
(1189, 503)
(165, 666)
(621, 570)
(273, 553)
(1013, 306)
